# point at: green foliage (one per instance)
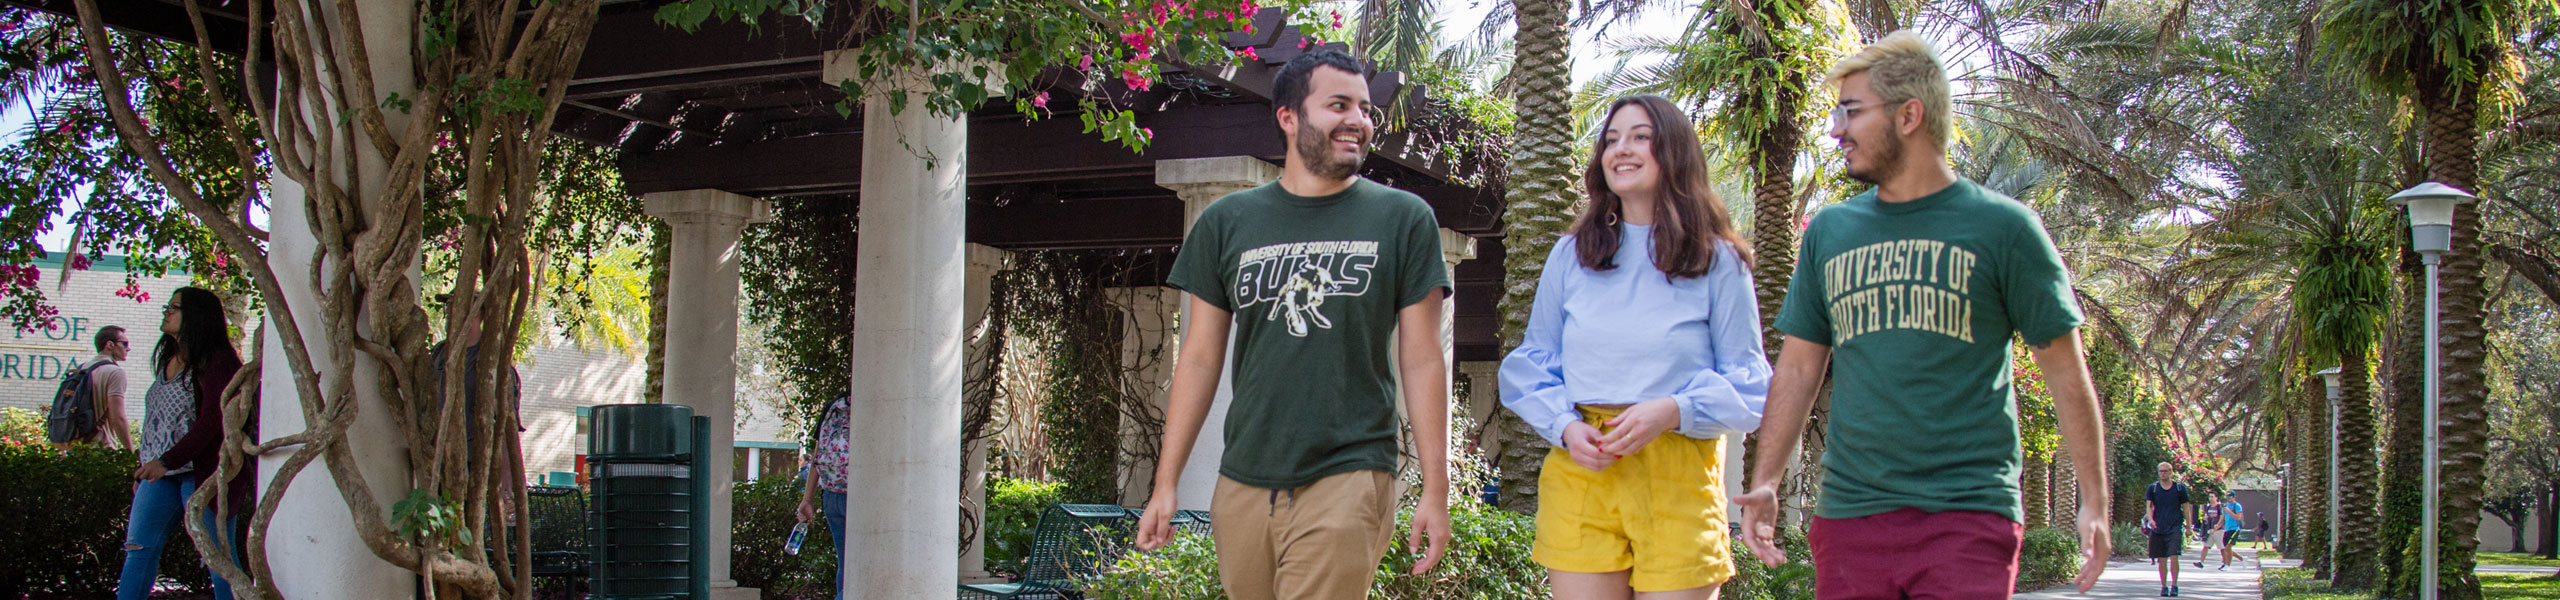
(2039, 432)
(2047, 557)
(1755, 581)
(2129, 540)
(971, 51)
(802, 270)
(65, 534)
(2340, 295)
(2400, 45)
(1187, 569)
(761, 514)
(430, 519)
(1488, 557)
(69, 161)
(1013, 515)
(1058, 302)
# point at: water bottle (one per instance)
(798, 532)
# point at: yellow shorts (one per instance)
(1658, 513)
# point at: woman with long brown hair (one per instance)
(1645, 323)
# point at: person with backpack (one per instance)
(182, 436)
(89, 407)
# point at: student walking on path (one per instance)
(1644, 324)
(1312, 273)
(182, 436)
(2166, 524)
(1910, 294)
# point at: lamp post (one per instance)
(2330, 377)
(2284, 513)
(2431, 234)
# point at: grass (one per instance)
(2513, 559)
(2297, 584)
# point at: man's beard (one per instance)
(1318, 150)
(1888, 162)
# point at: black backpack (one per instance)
(75, 408)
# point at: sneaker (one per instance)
(2164, 591)
(2173, 591)
(2199, 564)
(2223, 567)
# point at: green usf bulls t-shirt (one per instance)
(1918, 301)
(1314, 284)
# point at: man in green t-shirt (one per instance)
(1910, 293)
(1313, 273)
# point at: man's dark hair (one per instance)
(1289, 88)
(108, 334)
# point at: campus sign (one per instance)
(44, 353)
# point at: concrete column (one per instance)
(702, 335)
(1484, 398)
(312, 542)
(1200, 181)
(912, 259)
(1147, 344)
(978, 289)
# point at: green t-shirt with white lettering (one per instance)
(1918, 301)
(1315, 284)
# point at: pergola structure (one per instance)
(714, 124)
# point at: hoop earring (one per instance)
(1609, 219)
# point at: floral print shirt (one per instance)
(835, 444)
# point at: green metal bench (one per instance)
(559, 516)
(1073, 541)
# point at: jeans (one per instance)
(832, 505)
(156, 506)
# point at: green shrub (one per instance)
(2048, 556)
(64, 534)
(1013, 514)
(2130, 541)
(1488, 557)
(1187, 569)
(1755, 581)
(761, 514)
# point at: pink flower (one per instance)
(1136, 80)
(1086, 63)
(79, 262)
(1040, 100)
(1146, 133)
(1248, 52)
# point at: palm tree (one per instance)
(1541, 194)
(1539, 203)
(2441, 55)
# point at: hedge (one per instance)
(64, 532)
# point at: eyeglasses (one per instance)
(1847, 110)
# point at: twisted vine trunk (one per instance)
(487, 79)
(1538, 205)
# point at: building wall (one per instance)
(560, 380)
(32, 362)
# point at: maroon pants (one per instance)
(1916, 555)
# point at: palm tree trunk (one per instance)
(661, 256)
(2452, 153)
(2312, 531)
(2036, 499)
(2403, 472)
(1773, 249)
(2358, 565)
(1539, 203)
(2065, 495)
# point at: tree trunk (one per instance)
(661, 255)
(1539, 203)
(2065, 496)
(2550, 547)
(2403, 471)
(2358, 563)
(2036, 495)
(2452, 154)
(2313, 501)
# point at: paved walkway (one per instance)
(2139, 579)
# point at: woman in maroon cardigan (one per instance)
(181, 435)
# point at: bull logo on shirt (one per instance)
(1296, 278)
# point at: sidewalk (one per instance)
(2139, 579)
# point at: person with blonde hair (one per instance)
(1909, 294)
(1644, 324)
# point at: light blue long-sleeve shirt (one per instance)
(1629, 335)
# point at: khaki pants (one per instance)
(1318, 542)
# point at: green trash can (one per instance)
(648, 526)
